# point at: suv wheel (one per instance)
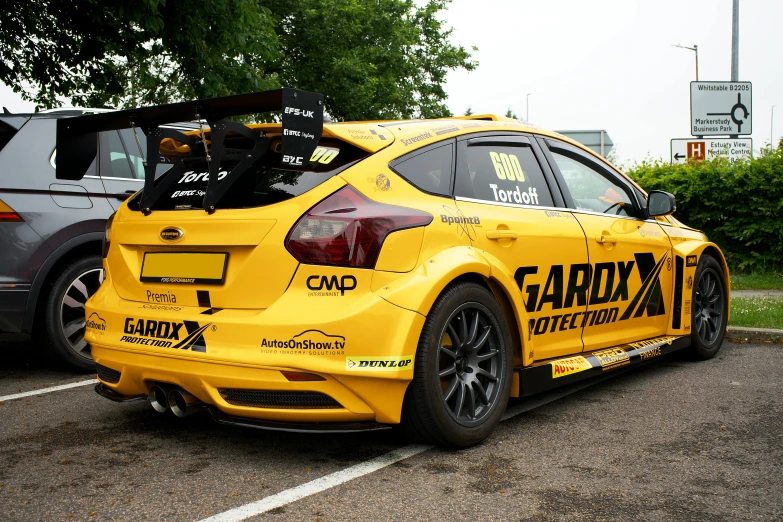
(64, 312)
(462, 374)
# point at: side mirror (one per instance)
(660, 203)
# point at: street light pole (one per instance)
(527, 107)
(695, 49)
(735, 42)
(771, 123)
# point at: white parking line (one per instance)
(364, 468)
(315, 486)
(48, 390)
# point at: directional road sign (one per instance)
(720, 108)
(684, 149)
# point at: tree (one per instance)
(372, 59)
(99, 53)
(469, 112)
(613, 158)
(510, 114)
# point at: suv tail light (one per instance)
(7, 214)
(107, 236)
(347, 229)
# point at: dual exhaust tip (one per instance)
(181, 403)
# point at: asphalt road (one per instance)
(675, 440)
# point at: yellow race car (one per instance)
(353, 276)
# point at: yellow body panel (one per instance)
(359, 328)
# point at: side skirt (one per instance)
(546, 375)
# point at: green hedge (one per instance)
(739, 206)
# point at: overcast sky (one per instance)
(607, 64)
(611, 65)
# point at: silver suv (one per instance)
(51, 230)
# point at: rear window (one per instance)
(6, 133)
(265, 183)
(430, 170)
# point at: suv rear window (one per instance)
(6, 133)
(265, 183)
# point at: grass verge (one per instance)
(770, 281)
(757, 312)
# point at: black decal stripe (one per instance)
(56, 192)
(211, 311)
(678, 277)
(643, 289)
(190, 339)
(203, 298)
(537, 379)
(654, 290)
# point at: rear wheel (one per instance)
(462, 374)
(63, 313)
(710, 309)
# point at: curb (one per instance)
(754, 333)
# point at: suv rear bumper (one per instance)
(12, 306)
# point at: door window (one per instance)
(592, 190)
(122, 158)
(502, 172)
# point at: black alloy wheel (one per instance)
(710, 308)
(462, 371)
(469, 364)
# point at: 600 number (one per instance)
(507, 166)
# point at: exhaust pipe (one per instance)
(158, 398)
(183, 404)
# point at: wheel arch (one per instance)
(690, 248)
(419, 290)
(79, 246)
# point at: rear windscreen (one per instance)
(265, 183)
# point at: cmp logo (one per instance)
(165, 334)
(599, 284)
(325, 286)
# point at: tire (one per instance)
(63, 312)
(710, 309)
(432, 411)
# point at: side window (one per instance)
(592, 190)
(121, 157)
(503, 173)
(429, 171)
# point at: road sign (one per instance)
(720, 108)
(733, 149)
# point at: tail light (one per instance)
(347, 229)
(7, 214)
(107, 236)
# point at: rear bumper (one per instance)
(246, 350)
(12, 307)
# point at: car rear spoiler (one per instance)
(302, 115)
